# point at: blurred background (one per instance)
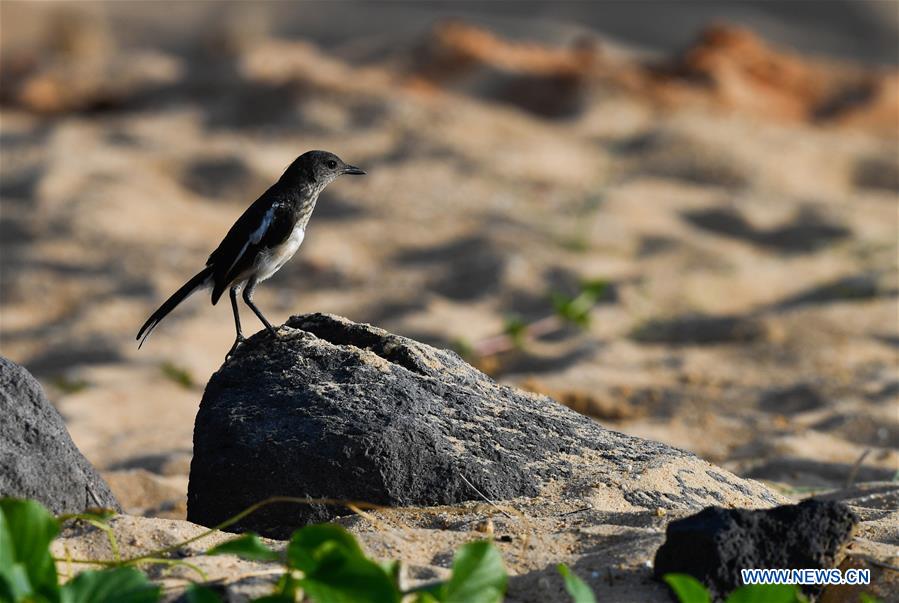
(679, 218)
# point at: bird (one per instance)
(261, 241)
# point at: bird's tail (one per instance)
(197, 282)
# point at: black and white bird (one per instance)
(262, 240)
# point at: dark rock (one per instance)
(251, 108)
(653, 245)
(37, 457)
(860, 287)
(678, 156)
(798, 398)
(883, 496)
(815, 474)
(889, 392)
(878, 173)
(226, 177)
(700, 329)
(21, 185)
(861, 429)
(715, 544)
(463, 270)
(341, 410)
(523, 361)
(473, 61)
(805, 233)
(55, 361)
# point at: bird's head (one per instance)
(318, 169)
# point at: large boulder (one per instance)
(334, 409)
(37, 457)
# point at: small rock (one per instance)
(798, 398)
(701, 330)
(715, 544)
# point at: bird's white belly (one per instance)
(272, 260)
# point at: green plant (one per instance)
(26, 567)
(690, 590)
(327, 564)
(577, 234)
(516, 332)
(28, 571)
(177, 374)
(113, 585)
(478, 577)
(463, 347)
(577, 588)
(516, 329)
(69, 386)
(576, 310)
(321, 562)
(687, 589)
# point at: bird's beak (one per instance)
(352, 169)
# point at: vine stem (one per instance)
(504, 342)
(249, 510)
(157, 556)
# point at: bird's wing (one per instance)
(262, 226)
(233, 244)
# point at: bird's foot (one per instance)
(237, 341)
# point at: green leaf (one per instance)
(119, 585)
(350, 581)
(392, 569)
(247, 546)
(335, 568)
(594, 288)
(866, 598)
(515, 328)
(766, 593)
(575, 311)
(197, 593)
(26, 567)
(478, 575)
(577, 588)
(69, 386)
(14, 583)
(687, 588)
(97, 515)
(179, 375)
(288, 586)
(463, 347)
(433, 590)
(305, 541)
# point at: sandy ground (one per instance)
(751, 263)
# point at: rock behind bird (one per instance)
(342, 410)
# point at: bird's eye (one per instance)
(332, 164)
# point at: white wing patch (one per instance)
(256, 236)
(266, 222)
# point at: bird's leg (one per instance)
(248, 298)
(239, 339)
